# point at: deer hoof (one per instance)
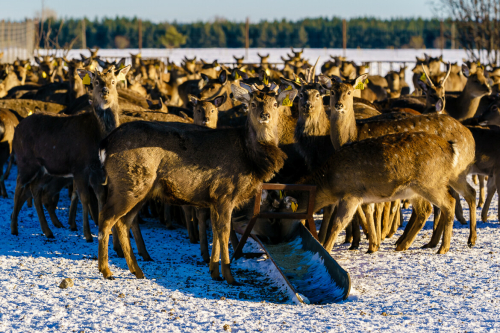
(111, 278)
(352, 248)
(442, 250)
(139, 275)
(235, 283)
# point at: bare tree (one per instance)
(478, 26)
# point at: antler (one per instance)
(312, 72)
(447, 74)
(427, 76)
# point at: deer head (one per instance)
(477, 83)
(205, 112)
(264, 107)
(435, 93)
(103, 85)
(342, 120)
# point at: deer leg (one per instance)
(72, 211)
(122, 229)
(386, 222)
(327, 215)
(20, 196)
(116, 244)
(491, 192)
(372, 233)
(422, 209)
(406, 204)
(30, 201)
(469, 193)
(95, 205)
(379, 209)
(362, 219)
(139, 241)
(392, 217)
(482, 191)
(36, 190)
(188, 217)
(83, 191)
(447, 211)
(397, 220)
(202, 215)
(475, 179)
(214, 258)
(223, 227)
(458, 208)
(356, 234)
(437, 216)
(408, 227)
(348, 233)
(345, 211)
(3, 190)
(50, 203)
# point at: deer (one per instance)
(67, 146)
(8, 79)
(343, 129)
(218, 169)
(8, 123)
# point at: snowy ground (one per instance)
(414, 291)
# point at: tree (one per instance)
(478, 26)
(172, 38)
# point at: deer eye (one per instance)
(253, 105)
(199, 110)
(332, 93)
(275, 104)
(301, 95)
(113, 82)
(212, 111)
(96, 82)
(348, 93)
(317, 95)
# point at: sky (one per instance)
(185, 11)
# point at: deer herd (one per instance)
(194, 142)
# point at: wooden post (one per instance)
(247, 37)
(453, 37)
(140, 34)
(441, 39)
(344, 36)
(84, 35)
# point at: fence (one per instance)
(17, 40)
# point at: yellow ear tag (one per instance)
(44, 75)
(121, 66)
(287, 101)
(169, 67)
(28, 67)
(265, 80)
(360, 86)
(30, 112)
(54, 63)
(86, 79)
(268, 72)
(297, 80)
(236, 76)
(281, 195)
(139, 55)
(366, 81)
(423, 77)
(294, 207)
(327, 65)
(288, 88)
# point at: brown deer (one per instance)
(343, 129)
(66, 146)
(8, 123)
(8, 79)
(218, 169)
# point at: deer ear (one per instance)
(38, 61)
(241, 94)
(439, 105)
(101, 62)
(82, 73)
(223, 77)
(325, 81)
(122, 73)
(422, 85)
(219, 100)
(286, 97)
(193, 99)
(205, 78)
(360, 80)
(465, 70)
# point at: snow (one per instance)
(412, 291)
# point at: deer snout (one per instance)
(339, 106)
(264, 117)
(105, 91)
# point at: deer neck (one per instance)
(313, 124)
(343, 128)
(263, 155)
(108, 117)
(465, 105)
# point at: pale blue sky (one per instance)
(193, 10)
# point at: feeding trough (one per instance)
(309, 271)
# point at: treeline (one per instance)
(313, 33)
